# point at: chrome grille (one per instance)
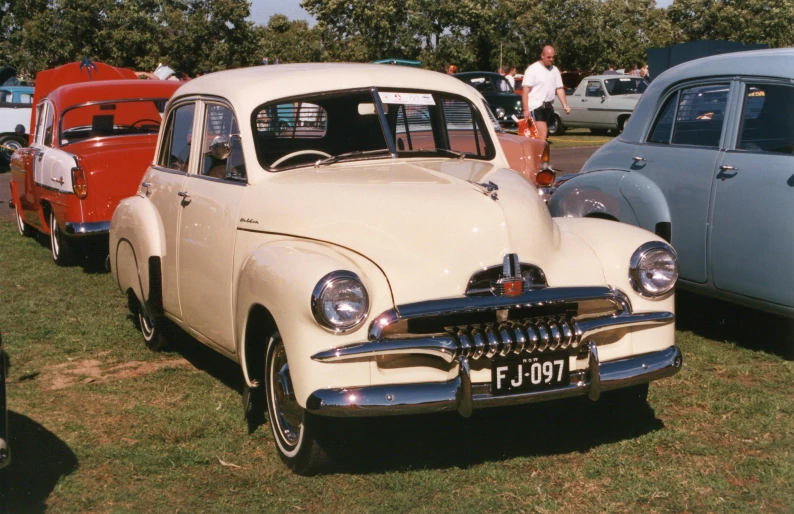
(527, 336)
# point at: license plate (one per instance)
(522, 374)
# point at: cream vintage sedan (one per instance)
(357, 244)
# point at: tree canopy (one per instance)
(200, 36)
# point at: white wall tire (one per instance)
(23, 228)
(59, 244)
(152, 331)
(294, 429)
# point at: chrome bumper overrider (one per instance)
(460, 395)
(87, 229)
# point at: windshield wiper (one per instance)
(357, 153)
(459, 155)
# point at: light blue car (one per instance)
(707, 162)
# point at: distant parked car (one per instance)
(707, 162)
(380, 260)
(15, 109)
(501, 97)
(601, 103)
(93, 141)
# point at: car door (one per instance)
(208, 227)
(162, 185)
(752, 226)
(680, 155)
(578, 103)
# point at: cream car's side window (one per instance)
(222, 154)
(175, 152)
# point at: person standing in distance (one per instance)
(542, 81)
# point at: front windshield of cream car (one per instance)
(625, 86)
(368, 124)
(111, 118)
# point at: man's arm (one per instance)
(563, 99)
(525, 89)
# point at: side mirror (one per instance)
(221, 148)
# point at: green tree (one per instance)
(289, 41)
(746, 21)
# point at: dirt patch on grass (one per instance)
(67, 374)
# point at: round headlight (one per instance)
(500, 112)
(340, 302)
(653, 269)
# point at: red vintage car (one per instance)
(92, 142)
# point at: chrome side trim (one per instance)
(87, 229)
(460, 395)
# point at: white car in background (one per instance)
(601, 103)
(351, 235)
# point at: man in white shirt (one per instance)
(542, 81)
(511, 76)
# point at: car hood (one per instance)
(428, 225)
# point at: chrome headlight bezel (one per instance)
(638, 259)
(323, 286)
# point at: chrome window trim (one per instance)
(172, 105)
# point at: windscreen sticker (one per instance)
(407, 98)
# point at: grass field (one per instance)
(101, 424)
(577, 137)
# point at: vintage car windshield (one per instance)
(352, 125)
(111, 118)
(625, 86)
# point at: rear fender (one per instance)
(281, 276)
(137, 243)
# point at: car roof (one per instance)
(751, 63)
(247, 88)
(467, 74)
(82, 92)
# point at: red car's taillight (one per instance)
(79, 182)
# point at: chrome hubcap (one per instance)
(287, 412)
(54, 236)
(147, 325)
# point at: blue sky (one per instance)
(262, 10)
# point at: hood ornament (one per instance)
(511, 281)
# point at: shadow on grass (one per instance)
(38, 461)
(90, 254)
(723, 321)
(378, 445)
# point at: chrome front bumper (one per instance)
(87, 229)
(460, 395)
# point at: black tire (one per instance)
(294, 429)
(9, 144)
(23, 228)
(599, 131)
(153, 330)
(60, 245)
(556, 128)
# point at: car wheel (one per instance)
(9, 145)
(153, 331)
(59, 244)
(23, 228)
(599, 132)
(294, 429)
(556, 127)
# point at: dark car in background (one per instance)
(501, 98)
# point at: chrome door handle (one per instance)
(38, 153)
(183, 194)
(725, 167)
(637, 159)
(147, 185)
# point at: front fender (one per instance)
(594, 194)
(280, 276)
(646, 200)
(136, 235)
